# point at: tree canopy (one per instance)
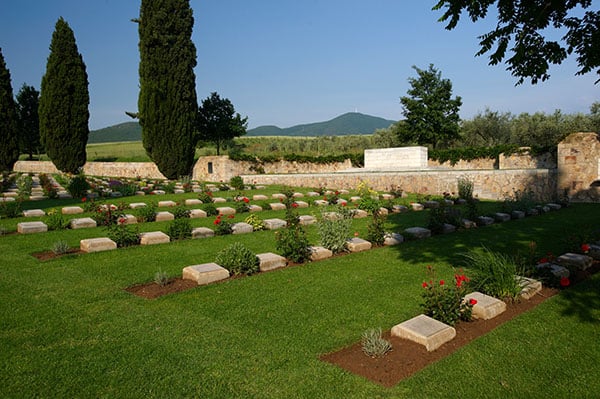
(430, 111)
(9, 147)
(167, 103)
(64, 101)
(524, 25)
(218, 122)
(28, 100)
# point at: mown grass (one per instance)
(70, 330)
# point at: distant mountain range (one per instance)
(343, 125)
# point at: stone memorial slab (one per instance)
(130, 219)
(359, 213)
(416, 206)
(342, 202)
(298, 195)
(387, 197)
(71, 210)
(393, 239)
(484, 221)
(448, 228)
(135, 205)
(37, 197)
(166, 204)
(226, 210)
(278, 196)
(594, 251)
(517, 214)
(202, 232)
(154, 237)
(205, 273)
(241, 228)
(331, 216)
(431, 204)
(425, 331)
(259, 197)
(274, 224)
(277, 206)
(158, 192)
(7, 199)
(97, 244)
(575, 261)
(270, 261)
(197, 214)
(530, 287)
(312, 194)
(10, 194)
(178, 191)
(164, 216)
(417, 232)
(383, 211)
(140, 192)
(554, 207)
(557, 270)
(468, 224)
(448, 202)
(302, 204)
(116, 194)
(306, 220)
(82, 223)
(399, 209)
(355, 199)
(343, 191)
(31, 227)
(501, 217)
(358, 245)
(532, 212)
(193, 201)
(321, 202)
(33, 213)
(219, 200)
(64, 195)
(254, 208)
(487, 307)
(319, 253)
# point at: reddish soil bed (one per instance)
(47, 255)
(153, 290)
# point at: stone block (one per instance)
(517, 214)
(484, 221)
(140, 192)
(399, 209)
(575, 261)
(192, 202)
(274, 224)
(387, 197)
(82, 223)
(278, 196)
(557, 270)
(33, 213)
(355, 199)
(312, 194)
(254, 208)
(532, 212)
(530, 287)
(501, 217)
(277, 206)
(31, 227)
(321, 203)
(359, 213)
(36, 197)
(97, 244)
(393, 239)
(302, 204)
(594, 251)
(358, 244)
(7, 199)
(417, 232)
(202, 232)
(319, 253)
(448, 228)
(178, 191)
(269, 261)
(298, 195)
(306, 220)
(468, 224)
(64, 195)
(166, 204)
(197, 214)
(116, 194)
(487, 307)
(342, 202)
(416, 206)
(135, 205)
(205, 273)
(383, 211)
(259, 197)
(163, 216)
(431, 204)
(219, 200)
(130, 219)
(425, 331)
(158, 192)
(553, 207)
(241, 228)
(71, 210)
(226, 210)
(154, 237)
(448, 202)
(11, 194)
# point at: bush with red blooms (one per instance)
(445, 302)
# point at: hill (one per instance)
(343, 125)
(128, 131)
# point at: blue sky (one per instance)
(286, 62)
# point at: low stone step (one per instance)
(358, 245)
(164, 216)
(97, 244)
(487, 307)
(319, 253)
(32, 213)
(393, 239)
(202, 232)
(530, 287)
(31, 227)
(71, 210)
(269, 261)
(241, 228)
(417, 232)
(575, 261)
(154, 237)
(205, 273)
(82, 223)
(274, 224)
(197, 214)
(425, 331)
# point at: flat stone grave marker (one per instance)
(393, 239)
(356, 244)
(226, 210)
(140, 192)
(594, 251)
(556, 270)
(425, 331)
(135, 205)
(254, 208)
(417, 232)
(202, 232)
(298, 195)
(331, 216)
(416, 206)
(487, 307)
(198, 213)
(359, 213)
(154, 237)
(312, 194)
(163, 216)
(399, 209)
(33, 213)
(517, 214)
(7, 199)
(468, 224)
(158, 192)
(274, 224)
(484, 221)
(532, 212)
(431, 204)
(82, 223)
(354, 199)
(64, 195)
(554, 207)
(130, 219)
(530, 287)
(344, 191)
(575, 261)
(277, 206)
(448, 228)
(342, 202)
(383, 211)
(166, 204)
(205, 273)
(448, 202)
(321, 202)
(260, 197)
(270, 261)
(11, 194)
(190, 202)
(116, 194)
(219, 200)
(278, 196)
(97, 244)
(501, 217)
(37, 197)
(306, 220)
(241, 228)
(386, 197)
(71, 210)
(319, 253)
(178, 191)
(31, 227)
(302, 204)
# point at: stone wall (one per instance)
(477, 164)
(579, 167)
(396, 158)
(146, 170)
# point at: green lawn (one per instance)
(70, 330)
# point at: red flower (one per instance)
(294, 205)
(458, 283)
(343, 204)
(543, 260)
(356, 234)
(565, 282)
(122, 220)
(442, 282)
(324, 198)
(230, 217)
(425, 285)
(246, 200)
(472, 301)
(84, 199)
(585, 248)
(217, 221)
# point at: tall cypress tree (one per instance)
(167, 103)
(28, 100)
(9, 144)
(64, 100)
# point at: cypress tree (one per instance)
(28, 100)
(64, 100)
(167, 103)
(9, 144)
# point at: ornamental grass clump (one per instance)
(445, 302)
(238, 259)
(60, 247)
(373, 344)
(161, 278)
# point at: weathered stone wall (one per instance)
(579, 167)
(527, 161)
(146, 170)
(477, 164)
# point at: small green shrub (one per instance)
(444, 302)
(60, 247)
(55, 220)
(519, 201)
(376, 228)
(147, 213)
(124, 235)
(11, 209)
(335, 231)
(181, 212)
(210, 209)
(238, 259)
(241, 205)
(442, 215)
(108, 215)
(256, 222)
(237, 182)
(78, 186)
(206, 197)
(180, 229)
(292, 241)
(24, 184)
(223, 226)
(161, 278)
(373, 344)
(465, 188)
